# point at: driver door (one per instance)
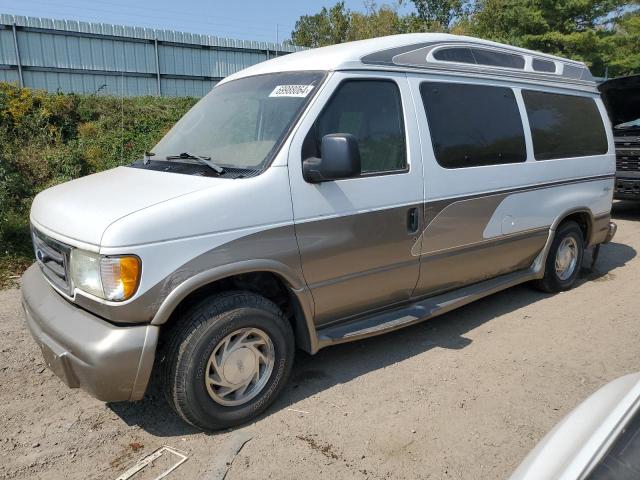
(357, 236)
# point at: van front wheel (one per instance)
(227, 360)
(564, 259)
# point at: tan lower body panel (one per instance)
(470, 264)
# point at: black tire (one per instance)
(551, 282)
(191, 342)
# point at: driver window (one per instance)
(370, 110)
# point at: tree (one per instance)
(586, 30)
(439, 14)
(376, 22)
(605, 34)
(339, 24)
(624, 47)
(328, 27)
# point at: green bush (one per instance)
(46, 139)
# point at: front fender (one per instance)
(303, 301)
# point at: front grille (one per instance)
(628, 154)
(627, 187)
(53, 258)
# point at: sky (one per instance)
(262, 20)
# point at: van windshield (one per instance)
(240, 124)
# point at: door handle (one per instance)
(412, 220)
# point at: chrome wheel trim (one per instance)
(239, 366)
(566, 258)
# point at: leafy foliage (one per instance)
(439, 13)
(46, 139)
(605, 34)
(623, 55)
(329, 26)
(586, 30)
(339, 24)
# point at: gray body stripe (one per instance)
(385, 57)
(490, 241)
(475, 217)
(436, 205)
(526, 188)
(275, 249)
(444, 230)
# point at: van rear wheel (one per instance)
(227, 360)
(564, 259)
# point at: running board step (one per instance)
(388, 320)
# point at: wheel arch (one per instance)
(264, 277)
(583, 216)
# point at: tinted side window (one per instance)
(543, 65)
(473, 125)
(371, 110)
(462, 55)
(497, 59)
(480, 57)
(564, 125)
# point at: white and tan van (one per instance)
(314, 199)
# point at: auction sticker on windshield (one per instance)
(291, 91)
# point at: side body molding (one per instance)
(303, 304)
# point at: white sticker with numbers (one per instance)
(291, 91)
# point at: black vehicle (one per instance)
(621, 96)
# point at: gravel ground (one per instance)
(466, 395)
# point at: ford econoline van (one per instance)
(315, 199)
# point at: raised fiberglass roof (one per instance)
(430, 51)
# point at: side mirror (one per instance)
(340, 158)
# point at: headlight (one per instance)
(112, 278)
(85, 272)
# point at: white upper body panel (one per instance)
(82, 209)
(125, 207)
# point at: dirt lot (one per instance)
(466, 395)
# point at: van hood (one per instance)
(82, 209)
(621, 97)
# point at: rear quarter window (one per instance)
(564, 126)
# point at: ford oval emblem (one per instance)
(40, 255)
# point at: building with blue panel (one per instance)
(83, 57)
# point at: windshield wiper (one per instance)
(200, 158)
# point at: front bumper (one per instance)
(112, 363)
